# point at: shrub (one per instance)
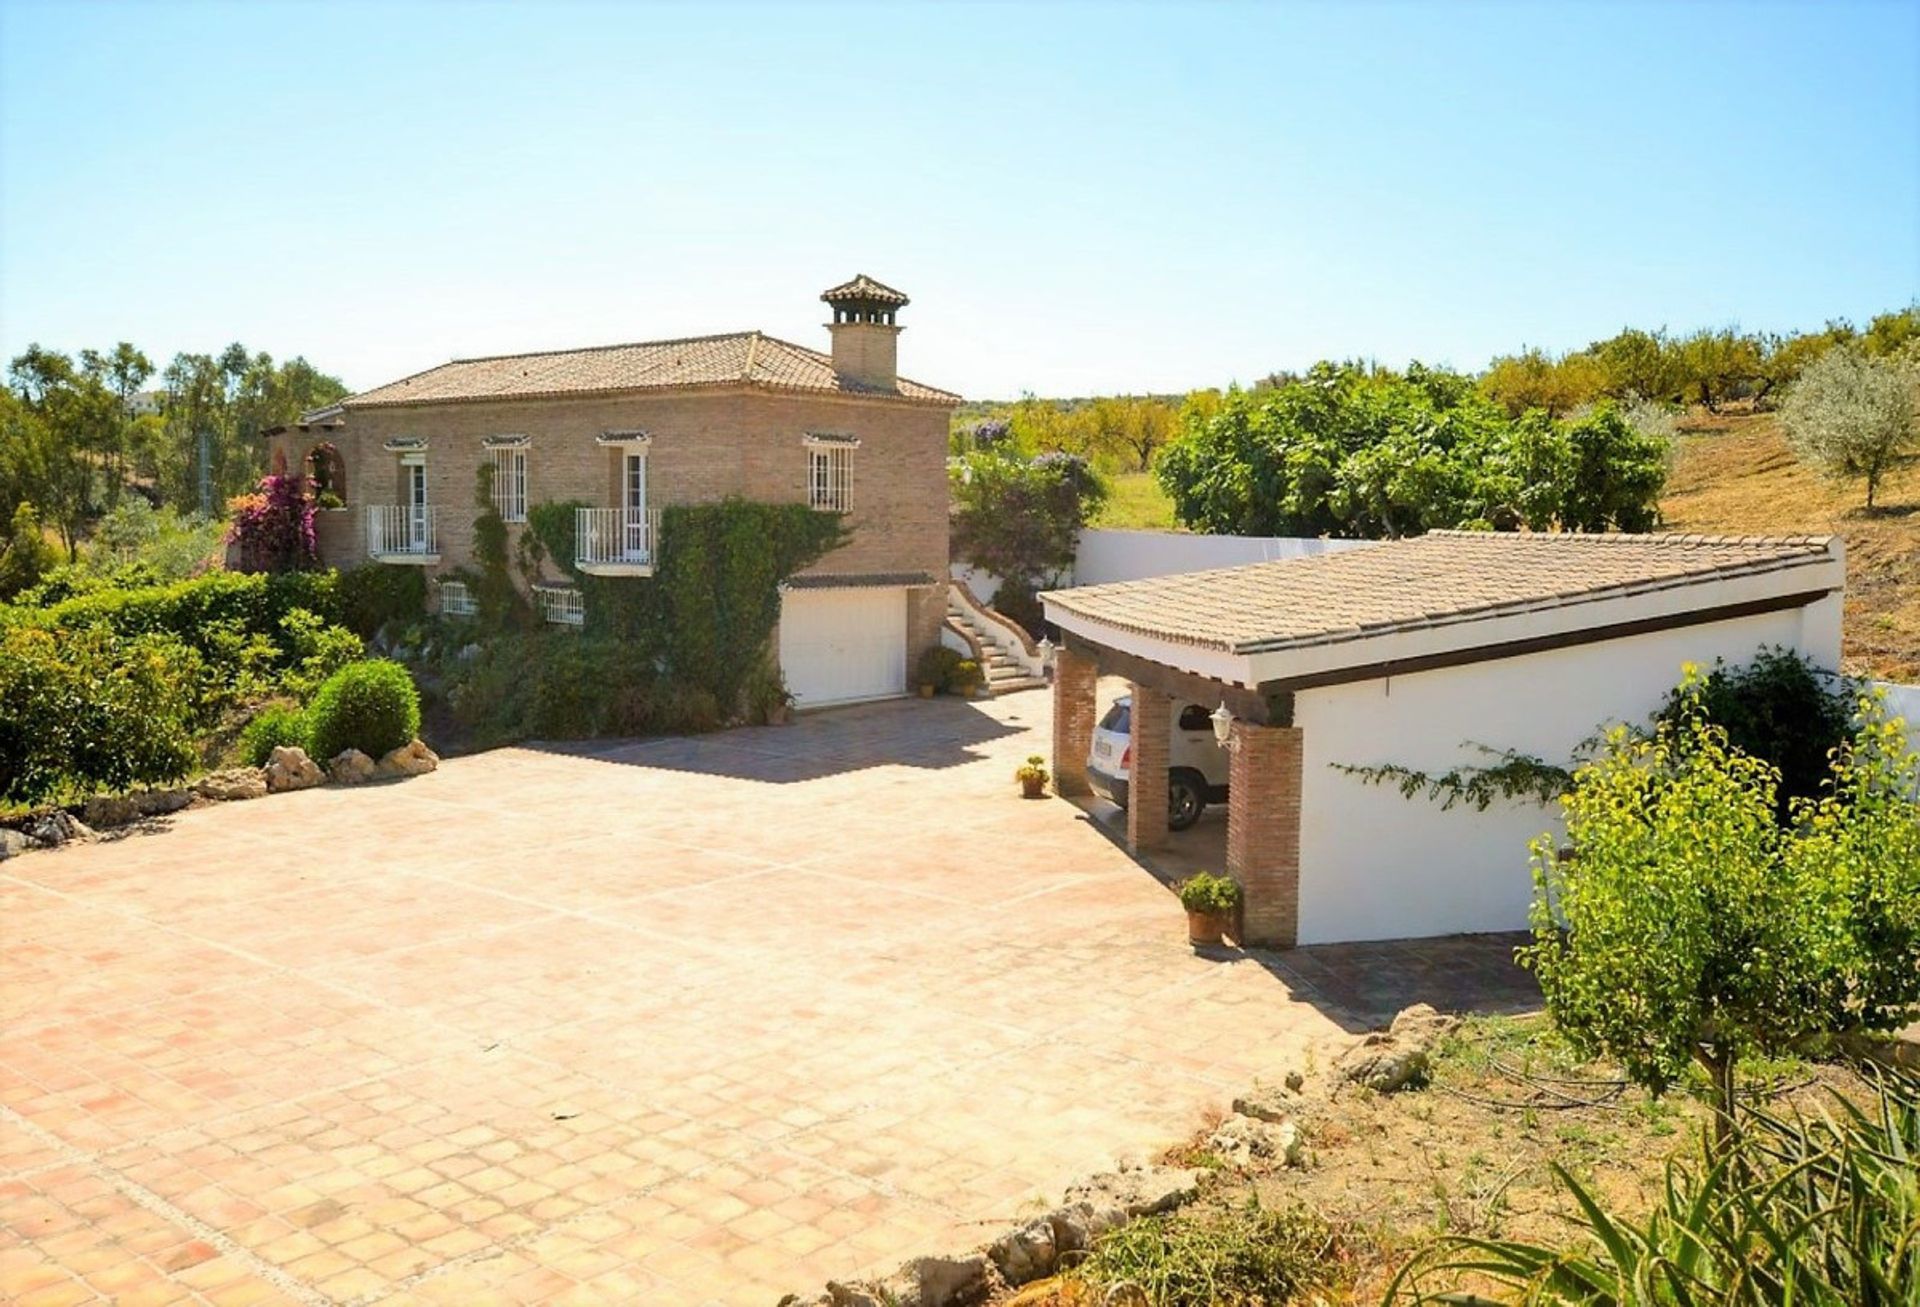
(1021, 518)
(315, 650)
(1851, 415)
(273, 526)
(371, 706)
(937, 666)
(1778, 708)
(1242, 1256)
(1216, 896)
(558, 685)
(25, 556)
(375, 595)
(273, 725)
(1018, 601)
(1689, 926)
(90, 711)
(966, 677)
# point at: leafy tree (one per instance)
(1021, 518)
(27, 556)
(1642, 363)
(1719, 365)
(1688, 926)
(1851, 415)
(1535, 379)
(1614, 474)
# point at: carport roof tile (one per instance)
(1441, 578)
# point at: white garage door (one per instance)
(842, 646)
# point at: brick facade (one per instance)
(1152, 719)
(1263, 831)
(1075, 677)
(706, 444)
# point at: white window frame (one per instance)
(830, 473)
(456, 600)
(561, 606)
(510, 482)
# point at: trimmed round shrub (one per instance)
(371, 706)
(274, 725)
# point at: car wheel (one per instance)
(1186, 800)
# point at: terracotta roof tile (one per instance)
(863, 287)
(1441, 578)
(745, 358)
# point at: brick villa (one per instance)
(627, 429)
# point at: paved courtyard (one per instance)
(685, 1021)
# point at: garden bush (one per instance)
(558, 685)
(375, 595)
(371, 706)
(90, 711)
(275, 724)
(937, 666)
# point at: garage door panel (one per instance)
(843, 646)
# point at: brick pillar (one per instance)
(1263, 832)
(1074, 677)
(1147, 774)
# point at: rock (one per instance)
(1385, 1062)
(289, 768)
(51, 829)
(1265, 1103)
(946, 1281)
(1247, 1142)
(413, 758)
(155, 803)
(1295, 1081)
(1100, 1203)
(232, 785)
(350, 767)
(110, 810)
(862, 1295)
(12, 843)
(1024, 1254)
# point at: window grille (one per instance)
(456, 600)
(510, 484)
(830, 477)
(561, 607)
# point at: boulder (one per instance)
(946, 1281)
(1246, 1142)
(231, 785)
(289, 768)
(1389, 1060)
(413, 758)
(1105, 1201)
(351, 767)
(110, 810)
(54, 828)
(12, 843)
(1024, 1254)
(1268, 1103)
(155, 803)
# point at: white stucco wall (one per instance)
(1377, 866)
(1111, 555)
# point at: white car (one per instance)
(1196, 764)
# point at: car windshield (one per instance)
(1117, 719)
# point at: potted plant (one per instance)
(1210, 902)
(934, 671)
(1033, 777)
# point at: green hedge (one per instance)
(375, 595)
(274, 725)
(371, 706)
(254, 602)
(88, 711)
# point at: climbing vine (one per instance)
(499, 604)
(1515, 776)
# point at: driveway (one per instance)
(681, 1021)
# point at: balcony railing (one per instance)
(615, 541)
(402, 533)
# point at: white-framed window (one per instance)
(561, 607)
(456, 600)
(830, 474)
(510, 482)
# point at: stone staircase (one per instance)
(1004, 674)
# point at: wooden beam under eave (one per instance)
(1269, 709)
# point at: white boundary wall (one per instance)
(1903, 701)
(1103, 554)
(1374, 865)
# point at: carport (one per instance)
(1413, 652)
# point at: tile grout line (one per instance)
(152, 1202)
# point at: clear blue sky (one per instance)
(1080, 198)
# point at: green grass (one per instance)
(1137, 503)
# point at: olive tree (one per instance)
(1685, 925)
(1851, 414)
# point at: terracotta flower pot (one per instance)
(1033, 787)
(1205, 927)
(926, 692)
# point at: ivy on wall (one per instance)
(499, 605)
(1514, 776)
(707, 614)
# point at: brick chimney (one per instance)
(866, 339)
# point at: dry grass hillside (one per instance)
(1736, 475)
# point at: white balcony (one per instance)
(615, 541)
(402, 533)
